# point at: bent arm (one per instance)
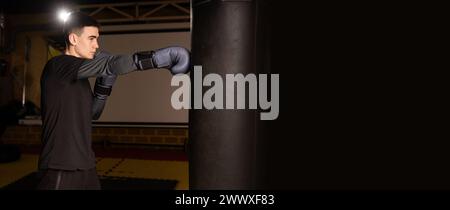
(102, 89)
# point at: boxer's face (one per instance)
(85, 43)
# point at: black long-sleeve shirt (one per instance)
(66, 104)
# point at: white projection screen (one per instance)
(142, 96)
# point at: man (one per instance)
(68, 105)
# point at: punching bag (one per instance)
(223, 151)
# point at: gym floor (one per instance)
(137, 163)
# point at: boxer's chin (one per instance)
(89, 56)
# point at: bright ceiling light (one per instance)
(63, 15)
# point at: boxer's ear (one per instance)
(73, 39)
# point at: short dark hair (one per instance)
(75, 23)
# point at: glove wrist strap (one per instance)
(144, 60)
(100, 90)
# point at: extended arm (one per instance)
(105, 64)
(176, 59)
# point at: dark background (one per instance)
(350, 116)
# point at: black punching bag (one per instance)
(223, 142)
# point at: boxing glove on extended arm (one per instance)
(102, 89)
(176, 59)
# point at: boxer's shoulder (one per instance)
(63, 65)
(62, 59)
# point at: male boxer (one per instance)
(68, 105)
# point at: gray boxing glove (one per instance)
(176, 59)
(103, 86)
(102, 89)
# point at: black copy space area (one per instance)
(348, 119)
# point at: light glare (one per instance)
(63, 15)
